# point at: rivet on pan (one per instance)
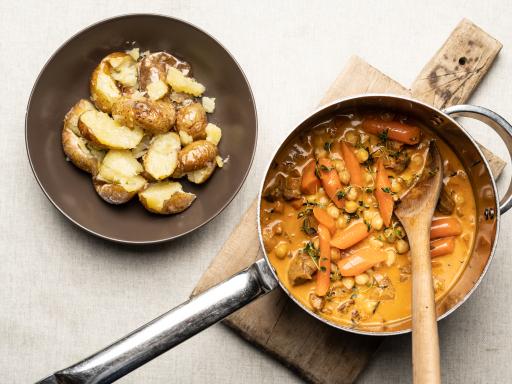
(489, 213)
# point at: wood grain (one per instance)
(274, 323)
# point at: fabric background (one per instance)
(64, 294)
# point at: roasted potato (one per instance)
(153, 68)
(197, 155)
(161, 159)
(154, 116)
(165, 198)
(203, 174)
(102, 130)
(191, 119)
(80, 151)
(118, 179)
(181, 83)
(115, 75)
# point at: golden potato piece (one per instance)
(118, 179)
(162, 157)
(166, 198)
(197, 155)
(213, 133)
(153, 67)
(203, 174)
(80, 151)
(191, 119)
(115, 71)
(102, 130)
(181, 83)
(154, 116)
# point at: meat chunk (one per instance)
(291, 189)
(383, 288)
(316, 302)
(446, 204)
(274, 189)
(283, 186)
(301, 269)
(397, 160)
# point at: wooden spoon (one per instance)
(415, 211)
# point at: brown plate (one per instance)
(65, 79)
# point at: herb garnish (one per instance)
(327, 146)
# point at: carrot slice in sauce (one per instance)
(383, 193)
(323, 277)
(444, 227)
(362, 260)
(352, 164)
(330, 181)
(309, 182)
(441, 247)
(350, 236)
(395, 130)
(323, 218)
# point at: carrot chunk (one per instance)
(362, 260)
(350, 236)
(441, 247)
(444, 227)
(383, 193)
(309, 182)
(323, 218)
(330, 181)
(352, 164)
(323, 277)
(395, 130)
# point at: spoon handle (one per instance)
(425, 341)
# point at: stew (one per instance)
(328, 224)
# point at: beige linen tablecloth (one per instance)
(64, 294)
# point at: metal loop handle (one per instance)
(501, 126)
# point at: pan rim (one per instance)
(168, 238)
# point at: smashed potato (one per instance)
(118, 179)
(162, 157)
(197, 155)
(102, 130)
(166, 198)
(154, 116)
(114, 72)
(181, 83)
(147, 125)
(80, 151)
(191, 119)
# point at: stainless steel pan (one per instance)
(213, 305)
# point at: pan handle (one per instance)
(170, 329)
(499, 125)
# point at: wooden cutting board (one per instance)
(277, 325)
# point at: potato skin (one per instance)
(153, 67)
(202, 175)
(112, 193)
(197, 155)
(192, 119)
(73, 144)
(154, 116)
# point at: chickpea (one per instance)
(368, 178)
(352, 193)
(348, 282)
(352, 137)
(323, 200)
(278, 229)
(281, 250)
(377, 222)
(401, 246)
(351, 206)
(335, 254)
(341, 222)
(399, 231)
(368, 215)
(396, 185)
(416, 161)
(362, 279)
(376, 242)
(362, 155)
(389, 235)
(369, 199)
(390, 257)
(338, 164)
(344, 176)
(316, 243)
(333, 211)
